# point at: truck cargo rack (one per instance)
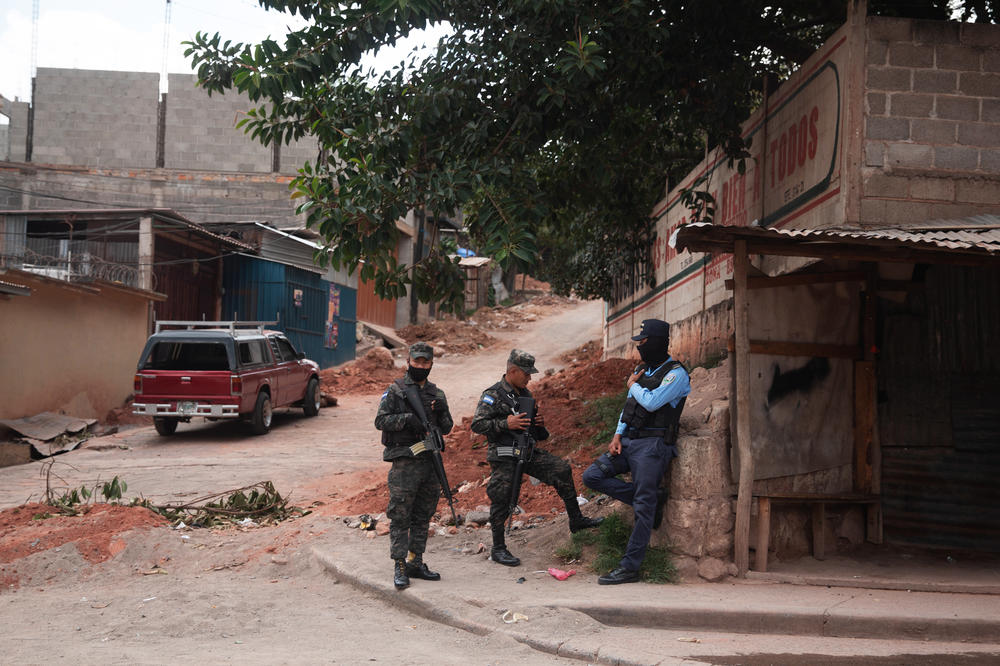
(231, 325)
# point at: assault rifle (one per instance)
(432, 444)
(524, 447)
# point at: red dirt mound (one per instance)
(25, 530)
(369, 374)
(449, 336)
(562, 399)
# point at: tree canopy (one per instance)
(553, 125)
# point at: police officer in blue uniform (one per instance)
(644, 444)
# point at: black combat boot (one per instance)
(416, 568)
(578, 521)
(400, 579)
(500, 554)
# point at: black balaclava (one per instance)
(653, 351)
(417, 374)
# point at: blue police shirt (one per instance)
(675, 385)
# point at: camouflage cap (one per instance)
(421, 349)
(522, 360)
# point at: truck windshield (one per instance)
(187, 356)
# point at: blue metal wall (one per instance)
(263, 290)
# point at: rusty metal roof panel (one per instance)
(978, 233)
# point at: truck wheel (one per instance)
(310, 403)
(262, 414)
(165, 426)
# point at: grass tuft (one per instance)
(607, 545)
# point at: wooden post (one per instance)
(763, 533)
(741, 321)
(146, 253)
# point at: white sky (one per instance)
(127, 35)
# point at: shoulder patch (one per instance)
(384, 394)
(488, 399)
(668, 379)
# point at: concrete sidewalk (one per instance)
(611, 624)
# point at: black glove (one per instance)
(413, 422)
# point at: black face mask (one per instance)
(417, 374)
(653, 351)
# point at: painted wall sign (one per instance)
(792, 179)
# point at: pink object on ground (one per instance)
(559, 574)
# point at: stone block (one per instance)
(991, 61)
(889, 129)
(909, 155)
(910, 105)
(876, 52)
(938, 189)
(880, 184)
(956, 158)
(876, 104)
(904, 54)
(980, 34)
(990, 111)
(989, 160)
(888, 78)
(935, 32)
(933, 131)
(986, 135)
(977, 84)
(957, 108)
(719, 545)
(721, 517)
(872, 211)
(700, 469)
(712, 569)
(889, 29)
(978, 191)
(957, 57)
(903, 213)
(934, 81)
(687, 569)
(874, 154)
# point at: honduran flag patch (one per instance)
(488, 400)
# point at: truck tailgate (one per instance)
(169, 385)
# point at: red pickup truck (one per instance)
(221, 370)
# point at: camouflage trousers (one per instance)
(413, 497)
(543, 466)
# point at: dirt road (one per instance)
(327, 456)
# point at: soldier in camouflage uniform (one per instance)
(497, 417)
(413, 488)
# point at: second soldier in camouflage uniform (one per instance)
(497, 417)
(413, 487)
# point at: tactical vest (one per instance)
(410, 435)
(665, 421)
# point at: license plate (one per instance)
(186, 407)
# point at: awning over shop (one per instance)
(970, 240)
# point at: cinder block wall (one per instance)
(201, 131)
(95, 118)
(932, 121)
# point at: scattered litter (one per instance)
(247, 522)
(368, 522)
(99, 606)
(180, 525)
(154, 571)
(684, 639)
(581, 500)
(185, 536)
(521, 579)
(148, 599)
(559, 574)
(510, 617)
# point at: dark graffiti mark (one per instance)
(799, 380)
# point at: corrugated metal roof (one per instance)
(977, 234)
(14, 289)
(163, 214)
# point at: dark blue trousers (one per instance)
(648, 459)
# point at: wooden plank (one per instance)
(864, 424)
(819, 531)
(830, 498)
(783, 348)
(741, 323)
(797, 279)
(763, 532)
